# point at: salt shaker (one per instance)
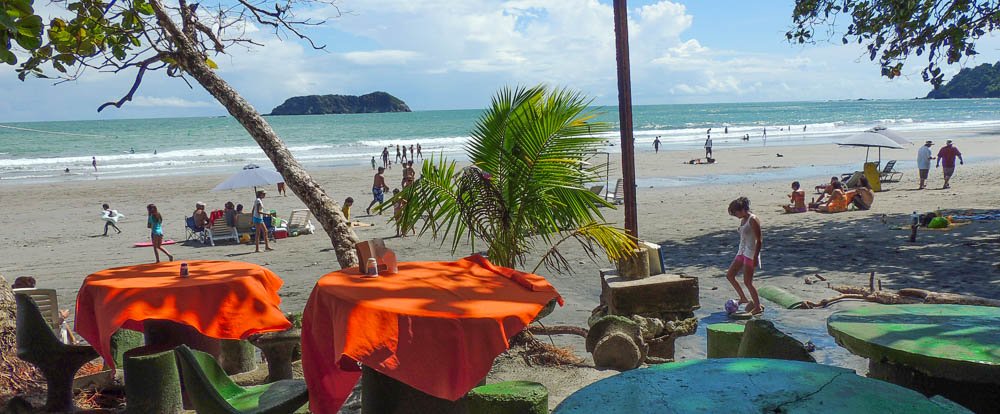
(372, 267)
(184, 269)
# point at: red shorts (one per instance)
(746, 261)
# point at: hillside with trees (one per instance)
(983, 81)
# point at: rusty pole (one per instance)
(625, 116)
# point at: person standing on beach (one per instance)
(412, 156)
(726, 131)
(747, 255)
(397, 154)
(258, 221)
(154, 222)
(281, 189)
(373, 163)
(708, 147)
(656, 144)
(385, 157)
(924, 163)
(765, 136)
(947, 154)
(93, 161)
(110, 219)
(419, 153)
(378, 190)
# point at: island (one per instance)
(375, 102)
(983, 81)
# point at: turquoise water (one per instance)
(39, 151)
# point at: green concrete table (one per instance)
(952, 350)
(748, 385)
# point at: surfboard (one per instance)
(148, 244)
(114, 219)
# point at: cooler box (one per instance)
(280, 233)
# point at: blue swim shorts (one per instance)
(378, 194)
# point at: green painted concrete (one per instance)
(746, 385)
(956, 342)
(723, 340)
(509, 397)
(780, 296)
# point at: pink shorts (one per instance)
(746, 261)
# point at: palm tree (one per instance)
(525, 184)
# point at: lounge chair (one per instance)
(617, 197)
(244, 224)
(220, 231)
(211, 391)
(888, 175)
(298, 221)
(47, 302)
(854, 180)
(597, 189)
(192, 231)
(58, 362)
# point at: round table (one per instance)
(953, 350)
(219, 299)
(747, 385)
(433, 326)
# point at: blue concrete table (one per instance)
(748, 385)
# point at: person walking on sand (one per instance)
(656, 144)
(378, 190)
(154, 222)
(398, 155)
(385, 157)
(946, 159)
(93, 161)
(708, 147)
(747, 255)
(924, 163)
(258, 221)
(419, 153)
(373, 163)
(412, 155)
(110, 219)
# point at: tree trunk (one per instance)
(326, 210)
(16, 376)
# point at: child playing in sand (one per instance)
(346, 209)
(748, 253)
(155, 224)
(397, 210)
(798, 197)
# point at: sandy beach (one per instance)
(53, 233)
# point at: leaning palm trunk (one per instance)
(326, 210)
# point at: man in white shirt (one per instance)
(924, 162)
(708, 147)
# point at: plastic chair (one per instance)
(221, 231)
(58, 362)
(618, 196)
(193, 231)
(888, 175)
(211, 391)
(47, 302)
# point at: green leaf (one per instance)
(28, 42)
(211, 63)
(8, 57)
(7, 22)
(144, 8)
(22, 6)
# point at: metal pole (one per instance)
(625, 116)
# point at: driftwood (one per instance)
(940, 297)
(874, 293)
(557, 330)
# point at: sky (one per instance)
(446, 54)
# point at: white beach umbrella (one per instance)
(893, 135)
(870, 140)
(250, 176)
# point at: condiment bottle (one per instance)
(184, 269)
(372, 267)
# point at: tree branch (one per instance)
(143, 66)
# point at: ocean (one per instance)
(41, 151)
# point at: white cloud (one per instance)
(170, 102)
(381, 57)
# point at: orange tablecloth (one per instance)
(436, 326)
(226, 300)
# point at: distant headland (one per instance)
(983, 81)
(374, 102)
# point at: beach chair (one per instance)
(58, 362)
(211, 391)
(192, 231)
(597, 189)
(244, 224)
(617, 197)
(298, 221)
(853, 180)
(220, 231)
(47, 303)
(888, 175)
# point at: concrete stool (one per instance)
(278, 348)
(122, 341)
(152, 383)
(724, 339)
(383, 394)
(615, 342)
(509, 397)
(762, 340)
(238, 356)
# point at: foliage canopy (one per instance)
(892, 30)
(525, 184)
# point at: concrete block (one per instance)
(724, 339)
(509, 397)
(762, 340)
(653, 295)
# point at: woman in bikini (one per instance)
(748, 253)
(798, 197)
(155, 223)
(838, 200)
